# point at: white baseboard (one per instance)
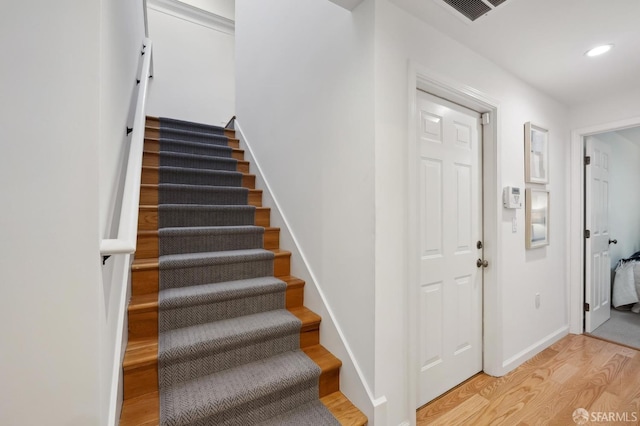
(529, 352)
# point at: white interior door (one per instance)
(450, 287)
(597, 259)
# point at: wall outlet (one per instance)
(537, 300)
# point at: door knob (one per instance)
(613, 241)
(482, 263)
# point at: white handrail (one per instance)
(126, 240)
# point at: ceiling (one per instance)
(543, 42)
(633, 134)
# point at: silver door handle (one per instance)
(482, 263)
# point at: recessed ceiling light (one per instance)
(599, 50)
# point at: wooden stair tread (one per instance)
(153, 263)
(156, 186)
(149, 301)
(143, 302)
(155, 232)
(154, 208)
(321, 356)
(153, 144)
(152, 158)
(344, 410)
(143, 410)
(292, 281)
(138, 352)
(310, 319)
(153, 133)
(148, 216)
(145, 264)
(158, 168)
(280, 253)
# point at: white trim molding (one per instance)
(193, 14)
(536, 348)
(576, 219)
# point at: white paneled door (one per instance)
(597, 258)
(450, 208)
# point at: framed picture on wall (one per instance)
(537, 217)
(536, 151)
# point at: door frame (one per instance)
(422, 78)
(576, 216)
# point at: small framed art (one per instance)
(537, 217)
(536, 151)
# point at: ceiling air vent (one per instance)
(474, 9)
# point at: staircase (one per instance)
(208, 276)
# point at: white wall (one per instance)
(194, 66)
(619, 106)
(624, 201)
(523, 329)
(121, 37)
(49, 258)
(304, 94)
(305, 104)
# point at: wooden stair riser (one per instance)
(309, 337)
(147, 246)
(310, 331)
(282, 263)
(148, 217)
(295, 292)
(149, 196)
(263, 217)
(154, 133)
(144, 282)
(143, 324)
(330, 365)
(141, 380)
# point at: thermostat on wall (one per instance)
(512, 197)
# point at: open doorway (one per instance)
(576, 216)
(620, 321)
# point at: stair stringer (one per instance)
(352, 381)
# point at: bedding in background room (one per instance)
(626, 284)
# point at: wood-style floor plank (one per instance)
(576, 372)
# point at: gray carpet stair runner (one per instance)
(228, 350)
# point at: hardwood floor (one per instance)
(577, 372)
